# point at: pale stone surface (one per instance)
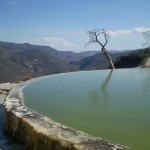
(6, 142)
(2, 97)
(6, 86)
(39, 132)
(4, 89)
(147, 63)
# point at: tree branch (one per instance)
(94, 38)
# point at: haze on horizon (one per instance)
(63, 24)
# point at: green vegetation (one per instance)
(144, 53)
(134, 59)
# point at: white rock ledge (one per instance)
(38, 132)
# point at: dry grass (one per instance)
(26, 77)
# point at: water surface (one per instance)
(114, 105)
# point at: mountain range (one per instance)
(22, 61)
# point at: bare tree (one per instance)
(146, 36)
(97, 36)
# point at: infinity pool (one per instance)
(114, 105)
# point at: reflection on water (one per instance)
(7, 143)
(144, 73)
(101, 92)
(106, 82)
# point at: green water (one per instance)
(114, 105)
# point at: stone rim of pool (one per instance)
(38, 131)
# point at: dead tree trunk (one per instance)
(109, 58)
(94, 37)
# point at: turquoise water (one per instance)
(114, 105)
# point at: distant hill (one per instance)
(41, 62)
(135, 59)
(9, 48)
(98, 61)
(20, 61)
(11, 71)
(122, 59)
(72, 56)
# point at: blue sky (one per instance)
(62, 24)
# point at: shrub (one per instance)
(26, 77)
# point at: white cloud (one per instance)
(128, 31)
(119, 32)
(55, 42)
(141, 29)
